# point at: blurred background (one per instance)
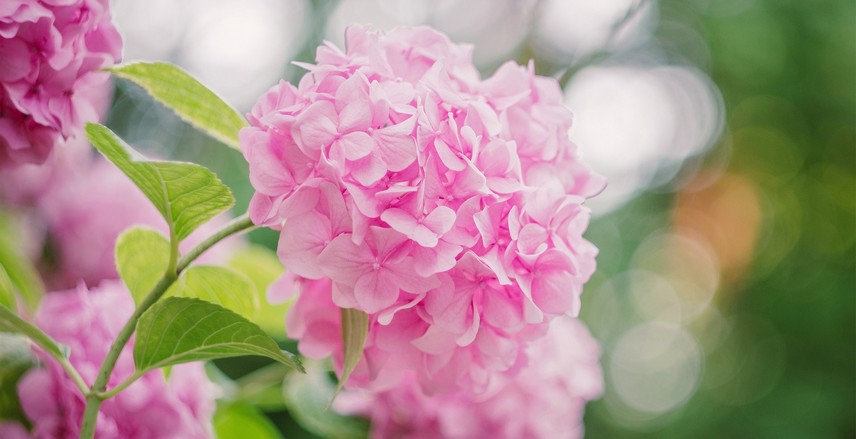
(724, 299)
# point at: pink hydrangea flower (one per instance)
(447, 207)
(51, 53)
(87, 321)
(21, 186)
(546, 399)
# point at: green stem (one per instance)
(74, 375)
(238, 224)
(97, 392)
(122, 386)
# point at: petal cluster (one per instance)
(546, 400)
(87, 321)
(51, 53)
(446, 206)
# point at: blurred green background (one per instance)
(724, 300)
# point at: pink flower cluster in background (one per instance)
(447, 207)
(546, 400)
(87, 321)
(50, 55)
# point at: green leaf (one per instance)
(218, 285)
(22, 274)
(187, 97)
(15, 360)
(7, 290)
(308, 396)
(142, 257)
(186, 194)
(262, 267)
(241, 421)
(179, 330)
(10, 322)
(355, 327)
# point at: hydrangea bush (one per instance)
(430, 221)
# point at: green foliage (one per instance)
(308, 398)
(355, 328)
(179, 330)
(186, 194)
(21, 273)
(10, 322)
(7, 290)
(142, 257)
(218, 285)
(241, 421)
(262, 267)
(187, 97)
(15, 360)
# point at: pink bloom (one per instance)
(546, 399)
(447, 207)
(22, 186)
(87, 321)
(51, 54)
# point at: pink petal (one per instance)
(356, 145)
(554, 293)
(472, 329)
(375, 290)
(315, 128)
(385, 241)
(343, 261)
(332, 204)
(440, 220)
(283, 289)
(441, 258)
(14, 60)
(399, 220)
(449, 158)
(396, 145)
(368, 170)
(424, 236)
(302, 240)
(386, 316)
(435, 341)
(532, 239)
(356, 115)
(500, 310)
(405, 277)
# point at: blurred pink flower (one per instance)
(447, 207)
(51, 56)
(546, 399)
(22, 185)
(87, 321)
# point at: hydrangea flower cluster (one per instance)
(87, 321)
(50, 56)
(546, 400)
(447, 207)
